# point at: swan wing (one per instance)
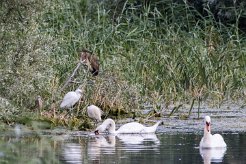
(206, 142)
(135, 127)
(201, 143)
(218, 141)
(132, 127)
(213, 141)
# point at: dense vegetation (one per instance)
(150, 53)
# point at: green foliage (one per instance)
(158, 47)
(26, 65)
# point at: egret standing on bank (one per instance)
(94, 112)
(71, 98)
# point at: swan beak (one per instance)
(207, 126)
(96, 132)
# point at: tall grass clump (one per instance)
(161, 46)
(154, 52)
(25, 61)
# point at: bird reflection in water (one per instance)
(212, 154)
(138, 142)
(101, 145)
(72, 153)
(127, 142)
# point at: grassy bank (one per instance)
(155, 54)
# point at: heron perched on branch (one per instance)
(91, 61)
(87, 59)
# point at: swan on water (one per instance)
(208, 140)
(132, 127)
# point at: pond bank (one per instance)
(228, 118)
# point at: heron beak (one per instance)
(96, 132)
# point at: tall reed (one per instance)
(161, 47)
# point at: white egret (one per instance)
(94, 112)
(208, 140)
(71, 98)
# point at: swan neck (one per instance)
(111, 128)
(207, 132)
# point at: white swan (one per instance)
(211, 141)
(94, 112)
(71, 98)
(132, 127)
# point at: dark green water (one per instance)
(149, 149)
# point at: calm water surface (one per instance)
(149, 149)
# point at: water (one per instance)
(149, 149)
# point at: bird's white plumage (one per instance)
(17, 130)
(132, 127)
(207, 119)
(94, 112)
(137, 138)
(71, 98)
(211, 141)
(213, 155)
